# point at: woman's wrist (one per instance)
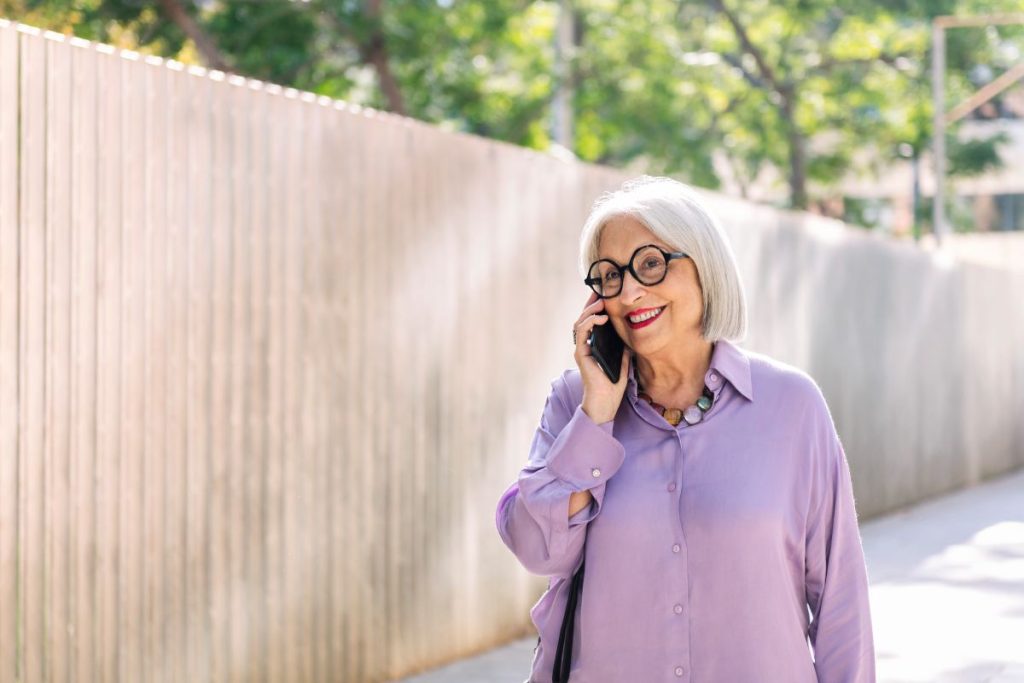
(579, 500)
(596, 416)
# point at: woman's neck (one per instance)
(677, 372)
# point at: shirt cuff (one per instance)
(594, 454)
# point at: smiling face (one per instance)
(679, 294)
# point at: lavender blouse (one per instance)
(722, 552)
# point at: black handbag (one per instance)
(563, 653)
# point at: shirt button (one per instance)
(596, 472)
(672, 486)
(676, 548)
(678, 609)
(714, 377)
(679, 671)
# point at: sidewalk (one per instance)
(947, 595)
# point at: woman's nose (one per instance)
(631, 288)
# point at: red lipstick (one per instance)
(645, 323)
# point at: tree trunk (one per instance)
(191, 28)
(375, 53)
(797, 153)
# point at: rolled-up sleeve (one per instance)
(836, 577)
(569, 453)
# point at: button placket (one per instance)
(680, 626)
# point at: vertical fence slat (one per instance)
(461, 171)
(220, 377)
(199, 259)
(174, 269)
(292, 443)
(32, 354)
(358, 459)
(321, 514)
(108, 365)
(403, 503)
(154, 97)
(317, 559)
(273, 505)
(464, 253)
(58, 520)
(259, 194)
(379, 470)
(239, 587)
(132, 635)
(406, 510)
(310, 566)
(431, 241)
(393, 476)
(9, 360)
(83, 333)
(339, 218)
(421, 362)
(301, 593)
(448, 437)
(338, 221)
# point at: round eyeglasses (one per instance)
(648, 264)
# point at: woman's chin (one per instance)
(644, 344)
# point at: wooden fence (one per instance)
(268, 360)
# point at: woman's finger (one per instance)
(591, 308)
(583, 329)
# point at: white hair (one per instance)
(675, 213)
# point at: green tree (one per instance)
(810, 88)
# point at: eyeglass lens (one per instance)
(649, 265)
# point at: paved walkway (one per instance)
(947, 594)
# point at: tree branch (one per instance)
(829, 64)
(748, 46)
(376, 53)
(191, 28)
(751, 78)
(373, 52)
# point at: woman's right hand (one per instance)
(601, 398)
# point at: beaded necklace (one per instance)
(674, 416)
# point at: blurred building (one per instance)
(993, 201)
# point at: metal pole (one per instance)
(915, 167)
(939, 129)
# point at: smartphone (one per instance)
(607, 346)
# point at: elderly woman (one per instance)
(707, 490)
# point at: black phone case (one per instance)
(607, 345)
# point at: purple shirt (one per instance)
(706, 545)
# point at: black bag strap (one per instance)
(563, 653)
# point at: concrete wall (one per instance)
(919, 353)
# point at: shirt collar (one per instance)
(727, 359)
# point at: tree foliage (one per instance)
(809, 90)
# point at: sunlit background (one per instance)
(283, 285)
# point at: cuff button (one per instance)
(595, 472)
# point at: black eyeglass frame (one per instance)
(667, 255)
